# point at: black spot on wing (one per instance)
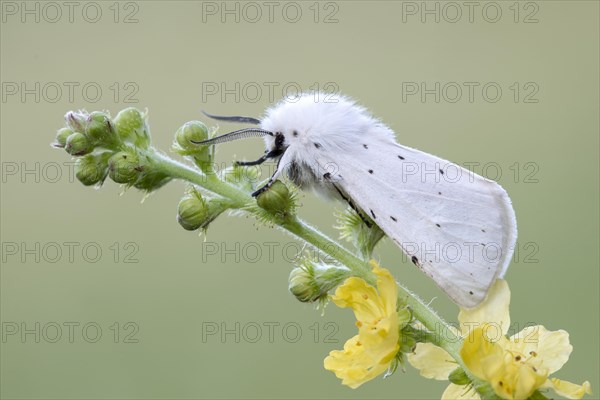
(370, 171)
(400, 157)
(438, 225)
(327, 175)
(415, 260)
(295, 133)
(441, 171)
(393, 218)
(470, 292)
(373, 214)
(317, 145)
(365, 146)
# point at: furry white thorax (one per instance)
(318, 122)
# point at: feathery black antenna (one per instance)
(243, 120)
(239, 134)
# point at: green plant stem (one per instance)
(211, 183)
(311, 235)
(442, 335)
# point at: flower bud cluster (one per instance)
(118, 148)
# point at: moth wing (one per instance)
(456, 226)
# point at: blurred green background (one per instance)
(158, 315)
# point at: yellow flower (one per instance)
(515, 367)
(371, 352)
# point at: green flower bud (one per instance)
(191, 131)
(136, 169)
(93, 168)
(78, 144)
(124, 167)
(196, 213)
(99, 129)
(195, 131)
(151, 179)
(459, 377)
(191, 213)
(76, 120)
(277, 200)
(131, 126)
(61, 137)
(311, 281)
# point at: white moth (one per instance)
(456, 226)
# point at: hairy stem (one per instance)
(181, 171)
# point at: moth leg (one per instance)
(351, 204)
(270, 154)
(271, 180)
(250, 163)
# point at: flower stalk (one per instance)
(121, 149)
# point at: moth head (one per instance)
(292, 122)
(278, 141)
(292, 118)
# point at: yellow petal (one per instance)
(369, 353)
(348, 364)
(456, 392)
(526, 381)
(432, 362)
(548, 350)
(493, 310)
(381, 340)
(482, 357)
(388, 289)
(361, 297)
(355, 364)
(568, 389)
(495, 363)
(515, 382)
